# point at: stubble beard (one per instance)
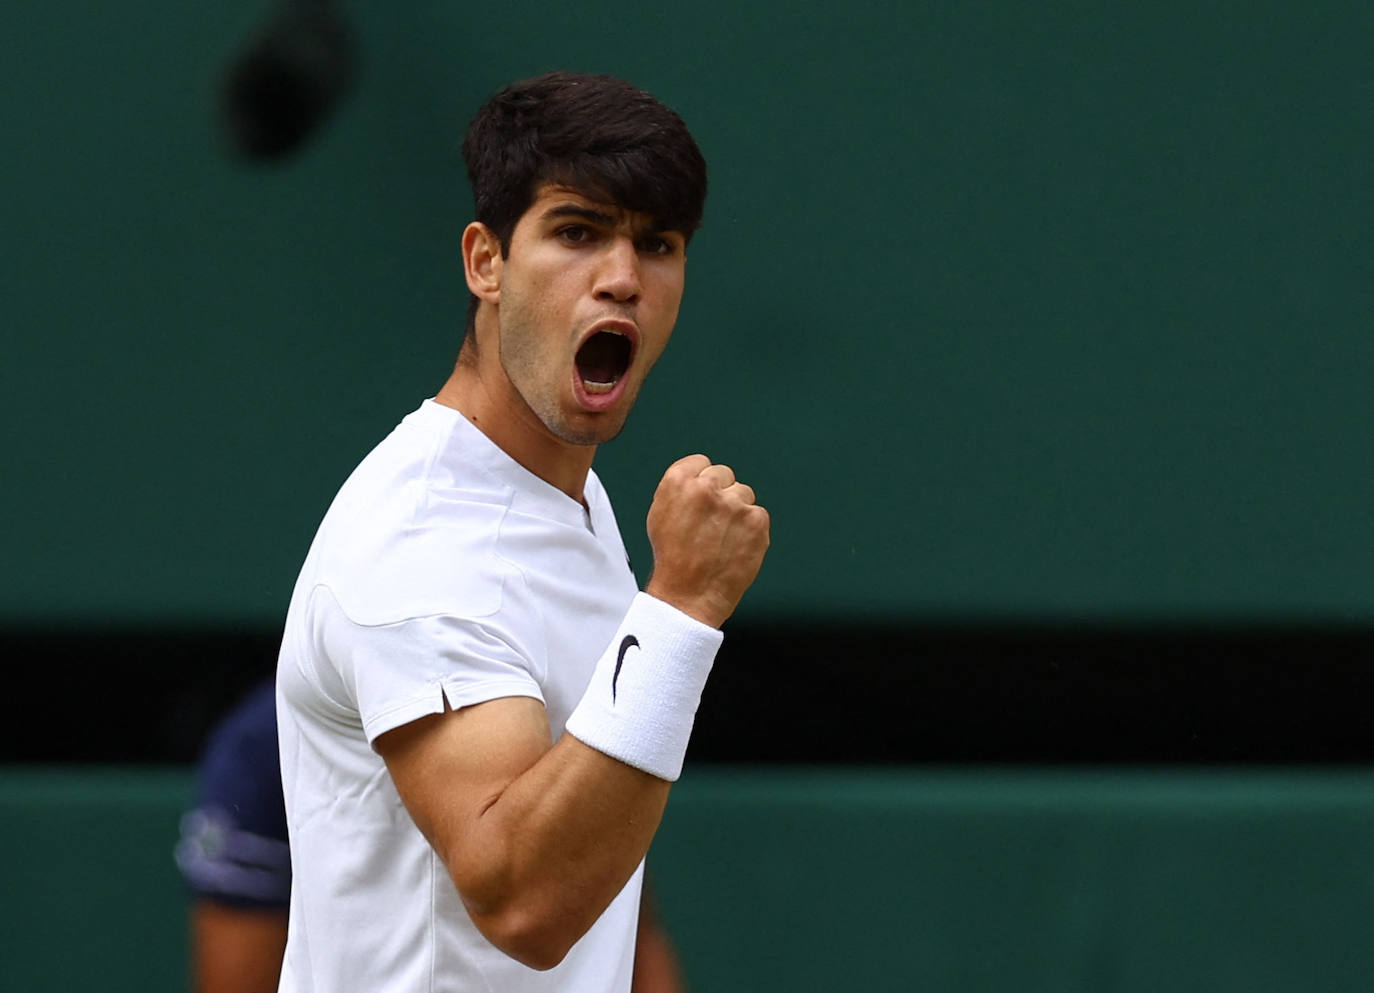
(521, 358)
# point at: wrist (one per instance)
(642, 699)
(704, 609)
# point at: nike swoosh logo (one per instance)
(625, 644)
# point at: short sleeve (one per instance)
(399, 672)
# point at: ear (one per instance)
(482, 262)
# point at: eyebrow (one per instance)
(584, 213)
(602, 218)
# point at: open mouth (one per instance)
(603, 359)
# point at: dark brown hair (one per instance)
(597, 135)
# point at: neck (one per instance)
(495, 408)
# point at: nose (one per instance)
(617, 277)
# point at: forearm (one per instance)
(656, 968)
(236, 950)
(549, 854)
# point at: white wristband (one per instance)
(642, 700)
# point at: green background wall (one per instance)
(1006, 309)
(811, 882)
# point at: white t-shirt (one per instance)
(443, 570)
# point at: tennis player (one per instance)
(480, 714)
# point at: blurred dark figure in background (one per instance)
(234, 857)
(233, 854)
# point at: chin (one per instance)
(596, 436)
(589, 429)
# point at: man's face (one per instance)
(588, 299)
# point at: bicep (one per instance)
(450, 768)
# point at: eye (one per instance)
(575, 234)
(655, 244)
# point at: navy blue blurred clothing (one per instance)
(233, 846)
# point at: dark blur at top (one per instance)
(290, 76)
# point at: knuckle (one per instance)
(688, 465)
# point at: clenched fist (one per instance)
(708, 537)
